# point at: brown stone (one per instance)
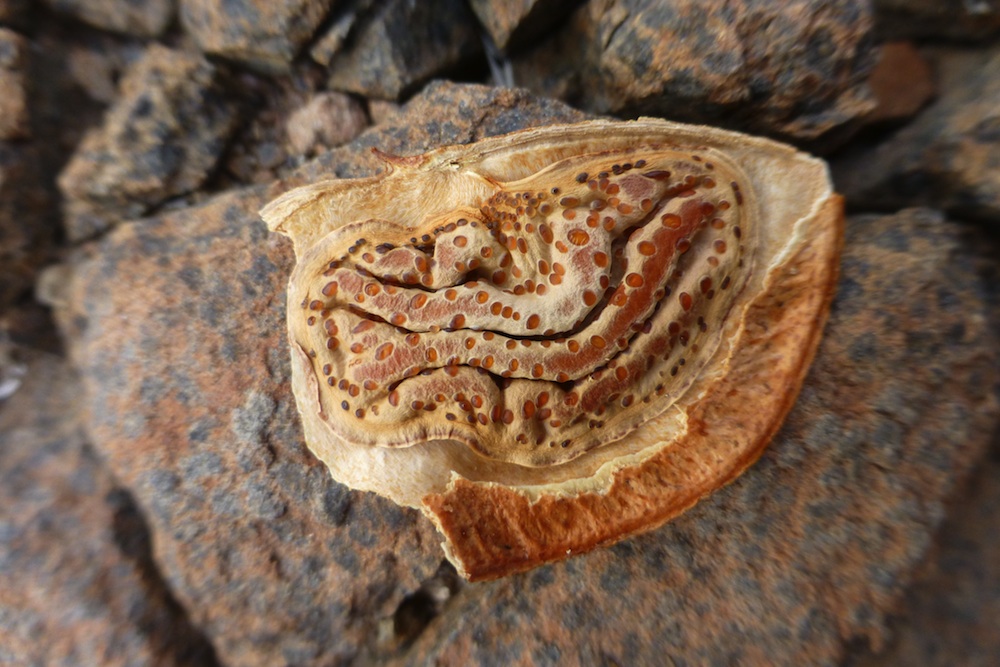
(160, 139)
(12, 11)
(949, 617)
(177, 323)
(27, 228)
(328, 119)
(80, 587)
(259, 33)
(916, 19)
(948, 156)
(901, 83)
(177, 326)
(793, 69)
(401, 44)
(14, 119)
(512, 22)
(142, 18)
(810, 550)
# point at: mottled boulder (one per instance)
(79, 586)
(901, 83)
(806, 553)
(259, 33)
(12, 11)
(937, 18)
(161, 138)
(328, 119)
(948, 156)
(443, 113)
(793, 69)
(142, 18)
(512, 23)
(14, 120)
(177, 326)
(949, 617)
(401, 44)
(27, 227)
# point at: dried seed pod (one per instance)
(554, 339)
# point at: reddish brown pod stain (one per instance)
(588, 282)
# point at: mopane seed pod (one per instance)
(554, 339)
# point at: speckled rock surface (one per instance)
(161, 139)
(13, 86)
(79, 587)
(328, 119)
(259, 33)
(949, 618)
(178, 326)
(401, 44)
(514, 22)
(812, 547)
(443, 113)
(793, 69)
(949, 156)
(901, 83)
(12, 11)
(143, 18)
(937, 18)
(26, 225)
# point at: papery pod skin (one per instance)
(557, 338)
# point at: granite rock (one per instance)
(810, 550)
(949, 617)
(162, 138)
(901, 83)
(793, 69)
(947, 157)
(259, 33)
(511, 23)
(27, 228)
(922, 19)
(328, 119)
(12, 11)
(14, 118)
(176, 324)
(79, 586)
(142, 18)
(400, 44)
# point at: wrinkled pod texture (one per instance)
(538, 299)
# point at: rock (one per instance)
(948, 618)
(142, 18)
(258, 33)
(513, 23)
(402, 44)
(14, 118)
(808, 551)
(161, 139)
(794, 69)
(919, 19)
(177, 324)
(901, 83)
(27, 228)
(345, 18)
(79, 586)
(327, 120)
(12, 11)
(948, 156)
(443, 113)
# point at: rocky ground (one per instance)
(157, 504)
